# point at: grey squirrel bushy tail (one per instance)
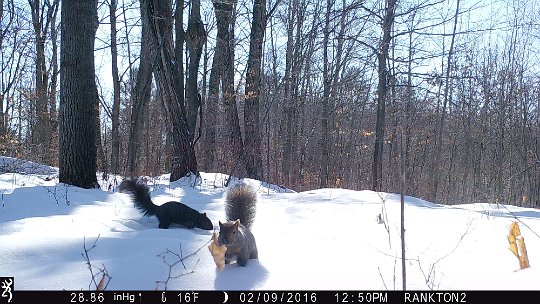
(235, 234)
(169, 212)
(241, 203)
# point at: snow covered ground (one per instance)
(325, 239)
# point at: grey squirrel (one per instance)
(235, 234)
(168, 213)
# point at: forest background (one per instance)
(302, 93)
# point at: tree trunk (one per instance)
(325, 133)
(298, 100)
(53, 114)
(77, 159)
(253, 92)
(102, 163)
(1, 18)
(183, 160)
(436, 165)
(2, 120)
(289, 103)
(195, 39)
(179, 48)
(142, 90)
(115, 137)
(234, 155)
(409, 104)
(402, 187)
(382, 88)
(223, 11)
(41, 21)
(332, 81)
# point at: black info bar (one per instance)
(269, 296)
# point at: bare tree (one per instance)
(252, 93)
(42, 17)
(53, 87)
(195, 40)
(289, 106)
(1, 17)
(115, 147)
(234, 155)
(382, 88)
(223, 11)
(2, 34)
(77, 94)
(326, 108)
(140, 96)
(325, 132)
(180, 36)
(159, 16)
(435, 170)
(14, 60)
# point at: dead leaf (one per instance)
(218, 252)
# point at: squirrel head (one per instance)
(228, 232)
(204, 222)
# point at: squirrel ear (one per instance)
(236, 223)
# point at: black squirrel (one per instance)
(235, 234)
(169, 212)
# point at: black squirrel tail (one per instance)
(140, 193)
(240, 203)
